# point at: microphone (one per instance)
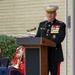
(29, 30)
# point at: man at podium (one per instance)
(53, 30)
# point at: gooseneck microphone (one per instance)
(29, 30)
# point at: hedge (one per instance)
(8, 46)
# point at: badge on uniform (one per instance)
(55, 29)
(54, 36)
(42, 28)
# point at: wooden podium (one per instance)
(36, 54)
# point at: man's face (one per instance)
(51, 16)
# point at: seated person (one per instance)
(17, 63)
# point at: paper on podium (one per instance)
(32, 34)
(21, 35)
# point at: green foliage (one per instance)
(8, 45)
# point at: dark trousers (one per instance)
(9, 71)
(3, 71)
(54, 68)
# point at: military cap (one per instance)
(51, 8)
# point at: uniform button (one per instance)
(56, 48)
(54, 36)
(46, 34)
(49, 25)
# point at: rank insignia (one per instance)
(42, 28)
(54, 36)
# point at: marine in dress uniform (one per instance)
(53, 30)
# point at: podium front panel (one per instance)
(32, 61)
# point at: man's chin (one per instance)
(50, 19)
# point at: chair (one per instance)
(5, 62)
(4, 66)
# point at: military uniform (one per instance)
(54, 31)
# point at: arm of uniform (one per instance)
(41, 29)
(38, 32)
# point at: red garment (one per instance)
(14, 60)
(22, 68)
